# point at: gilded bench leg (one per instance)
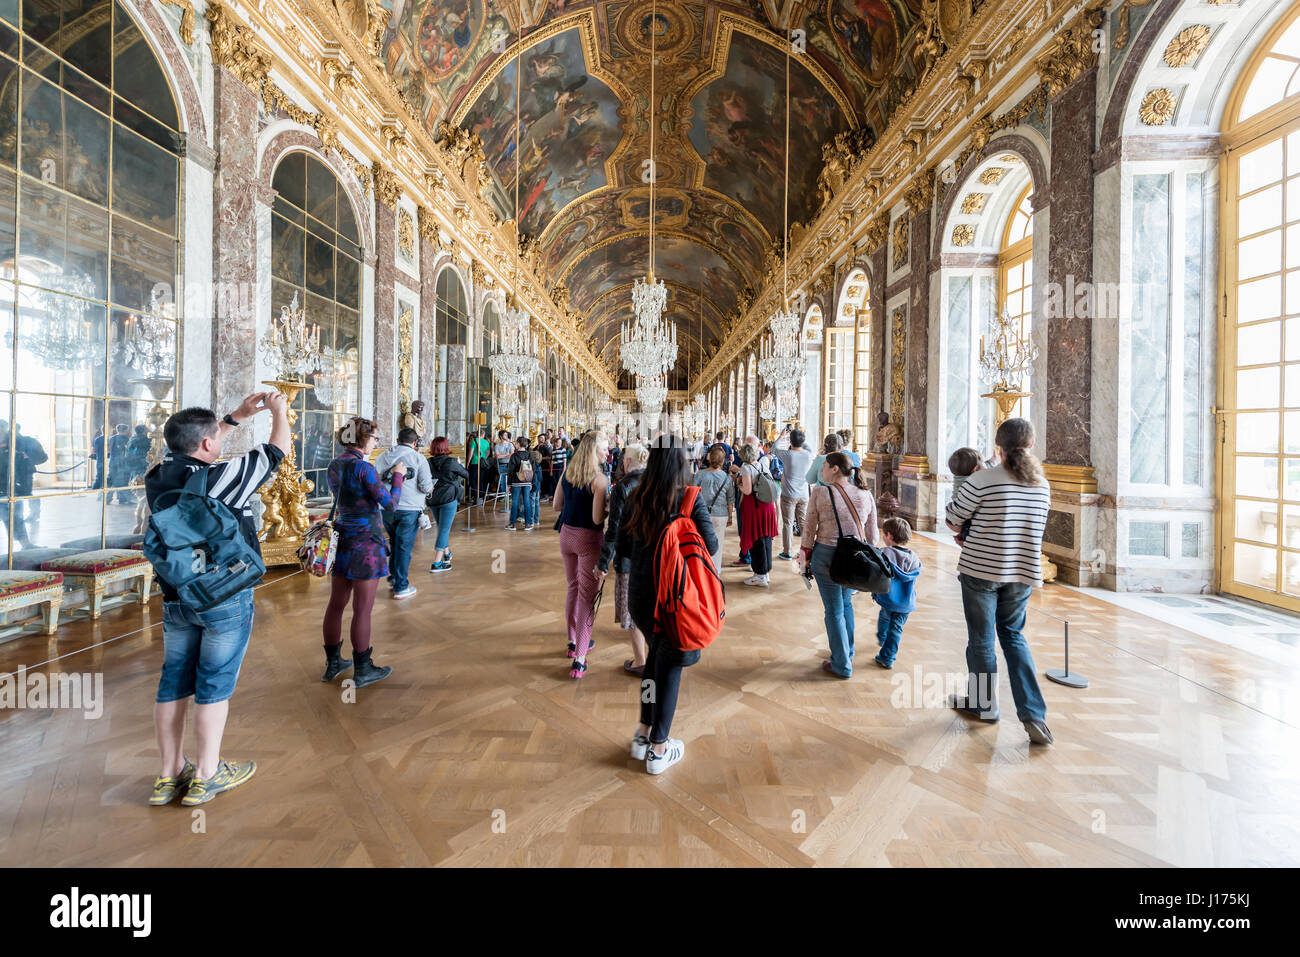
(50, 612)
(96, 600)
(146, 586)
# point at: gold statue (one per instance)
(889, 436)
(413, 418)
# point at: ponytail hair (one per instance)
(1014, 437)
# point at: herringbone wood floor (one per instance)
(479, 750)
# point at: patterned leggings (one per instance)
(580, 548)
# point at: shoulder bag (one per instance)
(857, 564)
(319, 545)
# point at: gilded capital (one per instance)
(235, 47)
(920, 194)
(878, 231)
(387, 189)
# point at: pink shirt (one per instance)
(819, 526)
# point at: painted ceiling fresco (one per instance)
(583, 113)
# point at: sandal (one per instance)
(638, 670)
(578, 670)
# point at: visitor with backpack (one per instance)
(447, 474)
(794, 489)
(837, 509)
(632, 464)
(580, 500)
(403, 522)
(361, 561)
(203, 649)
(544, 451)
(758, 495)
(675, 595)
(477, 453)
(520, 469)
(715, 492)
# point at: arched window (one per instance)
(451, 329)
(316, 260)
(1016, 273)
(1260, 354)
(90, 229)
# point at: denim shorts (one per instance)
(203, 650)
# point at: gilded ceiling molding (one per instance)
(1071, 52)
(427, 224)
(1187, 45)
(235, 47)
(920, 194)
(878, 231)
(1157, 107)
(1122, 34)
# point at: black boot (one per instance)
(335, 663)
(367, 672)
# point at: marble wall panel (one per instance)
(385, 354)
(1149, 332)
(915, 431)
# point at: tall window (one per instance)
(451, 328)
(316, 257)
(89, 244)
(1016, 273)
(840, 346)
(1260, 375)
(862, 385)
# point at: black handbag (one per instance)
(857, 564)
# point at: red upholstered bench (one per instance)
(96, 570)
(20, 589)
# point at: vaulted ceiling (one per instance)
(584, 132)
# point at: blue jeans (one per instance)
(503, 477)
(521, 504)
(443, 516)
(889, 632)
(401, 525)
(203, 650)
(838, 605)
(536, 499)
(999, 608)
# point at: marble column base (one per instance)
(918, 493)
(1156, 544)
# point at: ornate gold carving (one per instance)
(992, 175)
(1071, 53)
(930, 40)
(897, 370)
(902, 238)
(427, 223)
(963, 234)
(1122, 34)
(878, 231)
(187, 18)
(1187, 45)
(841, 157)
(920, 194)
(405, 347)
(1157, 107)
(406, 233)
(387, 188)
(974, 203)
(235, 47)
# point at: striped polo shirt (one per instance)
(1007, 519)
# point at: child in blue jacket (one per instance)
(897, 603)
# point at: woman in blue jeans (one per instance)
(445, 497)
(837, 507)
(1007, 509)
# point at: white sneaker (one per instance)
(640, 744)
(757, 580)
(659, 763)
(406, 592)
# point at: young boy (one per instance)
(963, 463)
(900, 601)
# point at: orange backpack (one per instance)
(690, 603)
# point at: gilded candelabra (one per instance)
(1006, 363)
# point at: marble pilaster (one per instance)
(880, 330)
(234, 248)
(385, 363)
(425, 382)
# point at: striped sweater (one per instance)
(1004, 543)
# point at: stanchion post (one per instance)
(1070, 680)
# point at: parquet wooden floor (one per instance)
(479, 750)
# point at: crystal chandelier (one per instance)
(291, 344)
(515, 362)
(64, 341)
(1005, 365)
(651, 393)
(782, 364)
(149, 346)
(767, 408)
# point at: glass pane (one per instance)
(1259, 389)
(1256, 521)
(144, 181)
(291, 179)
(137, 75)
(1291, 526)
(1292, 198)
(1293, 293)
(1257, 431)
(1256, 477)
(6, 340)
(1259, 344)
(286, 251)
(85, 151)
(62, 429)
(348, 287)
(1254, 565)
(1259, 212)
(1291, 422)
(1290, 571)
(144, 266)
(60, 343)
(8, 113)
(1260, 167)
(320, 266)
(63, 244)
(142, 355)
(56, 526)
(1292, 391)
(1260, 255)
(1261, 299)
